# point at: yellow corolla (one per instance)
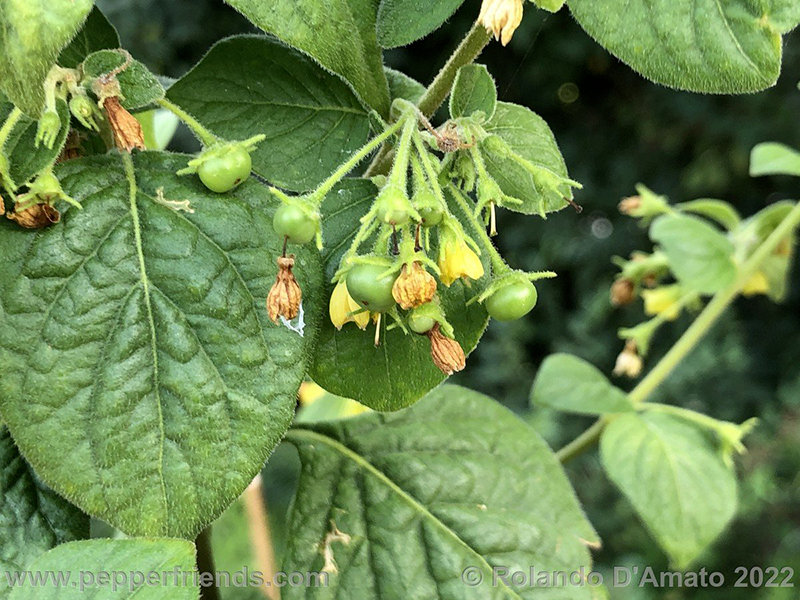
(664, 301)
(757, 284)
(342, 308)
(456, 260)
(501, 17)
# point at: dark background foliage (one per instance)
(615, 129)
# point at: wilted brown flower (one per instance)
(2, 206)
(446, 353)
(127, 130)
(72, 147)
(414, 287)
(285, 296)
(36, 217)
(630, 206)
(629, 363)
(622, 292)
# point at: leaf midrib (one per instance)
(302, 434)
(130, 174)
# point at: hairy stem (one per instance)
(199, 130)
(260, 536)
(8, 126)
(468, 50)
(692, 336)
(499, 266)
(351, 163)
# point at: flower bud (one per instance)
(36, 216)
(285, 296)
(623, 292)
(84, 110)
(48, 128)
(646, 205)
(127, 130)
(446, 353)
(414, 287)
(501, 18)
(629, 363)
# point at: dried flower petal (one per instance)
(446, 353)
(414, 287)
(629, 363)
(622, 292)
(127, 130)
(285, 296)
(36, 217)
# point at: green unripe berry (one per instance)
(292, 222)
(420, 324)
(366, 286)
(225, 168)
(512, 302)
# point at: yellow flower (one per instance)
(663, 301)
(757, 284)
(501, 17)
(629, 363)
(456, 259)
(342, 307)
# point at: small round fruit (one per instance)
(431, 216)
(420, 323)
(397, 216)
(224, 169)
(295, 224)
(512, 301)
(369, 289)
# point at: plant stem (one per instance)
(696, 331)
(8, 126)
(205, 136)
(583, 442)
(350, 164)
(205, 563)
(436, 93)
(260, 536)
(469, 49)
(499, 266)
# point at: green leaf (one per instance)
(399, 371)
(675, 479)
(33, 34)
(97, 34)
(771, 158)
(140, 88)
(707, 46)
(700, 256)
(456, 481)
(25, 159)
(549, 5)
(717, 210)
(401, 22)
(403, 86)
(339, 34)
(520, 140)
(312, 120)
(473, 90)
(568, 383)
(144, 379)
(80, 565)
(33, 518)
